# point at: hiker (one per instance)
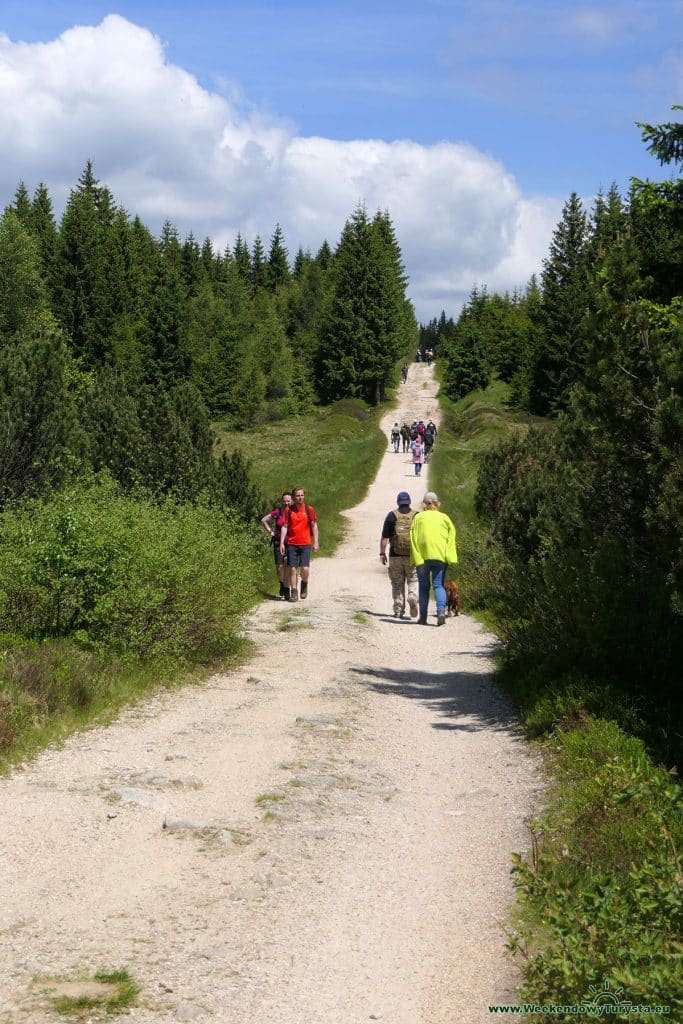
(402, 574)
(429, 437)
(395, 436)
(404, 372)
(418, 450)
(405, 435)
(272, 524)
(432, 546)
(299, 534)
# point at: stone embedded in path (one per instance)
(140, 797)
(190, 825)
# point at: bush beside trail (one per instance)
(90, 575)
(600, 898)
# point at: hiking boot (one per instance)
(293, 595)
(441, 620)
(413, 607)
(285, 593)
(422, 622)
(304, 589)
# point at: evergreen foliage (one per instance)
(367, 323)
(586, 516)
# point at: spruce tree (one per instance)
(259, 266)
(83, 299)
(560, 360)
(367, 321)
(278, 261)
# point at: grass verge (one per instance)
(333, 453)
(50, 690)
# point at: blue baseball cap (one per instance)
(403, 498)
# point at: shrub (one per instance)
(602, 900)
(118, 574)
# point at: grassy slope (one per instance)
(333, 453)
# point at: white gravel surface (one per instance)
(340, 817)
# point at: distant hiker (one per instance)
(432, 546)
(272, 524)
(299, 535)
(418, 356)
(404, 372)
(395, 436)
(405, 436)
(418, 450)
(413, 431)
(428, 439)
(402, 574)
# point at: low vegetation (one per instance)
(600, 900)
(105, 994)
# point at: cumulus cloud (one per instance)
(170, 149)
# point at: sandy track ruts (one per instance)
(361, 784)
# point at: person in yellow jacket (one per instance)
(432, 549)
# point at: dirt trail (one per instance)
(341, 813)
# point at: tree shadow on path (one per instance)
(464, 701)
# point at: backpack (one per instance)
(400, 544)
(413, 434)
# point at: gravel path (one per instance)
(339, 814)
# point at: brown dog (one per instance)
(452, 597)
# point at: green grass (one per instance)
(333, 453)
(33, 719)
(118, 992)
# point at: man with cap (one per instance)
(432, 545)
(396, 534)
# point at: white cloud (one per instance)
(168, 148)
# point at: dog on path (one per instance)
(452, 597)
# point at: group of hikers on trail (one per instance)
(418, 439)
(421, 548)
(293, 528)
(426, 356)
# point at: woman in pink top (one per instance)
(418, 450)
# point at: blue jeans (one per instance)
(431, 572)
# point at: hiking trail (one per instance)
(340, 814)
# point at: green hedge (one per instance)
(120, 575)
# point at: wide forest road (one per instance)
(339, 818)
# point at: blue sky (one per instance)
(471, 123)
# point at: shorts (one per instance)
(299, 555)
(280, 559)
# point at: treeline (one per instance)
(122, 533)
(584, 561)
